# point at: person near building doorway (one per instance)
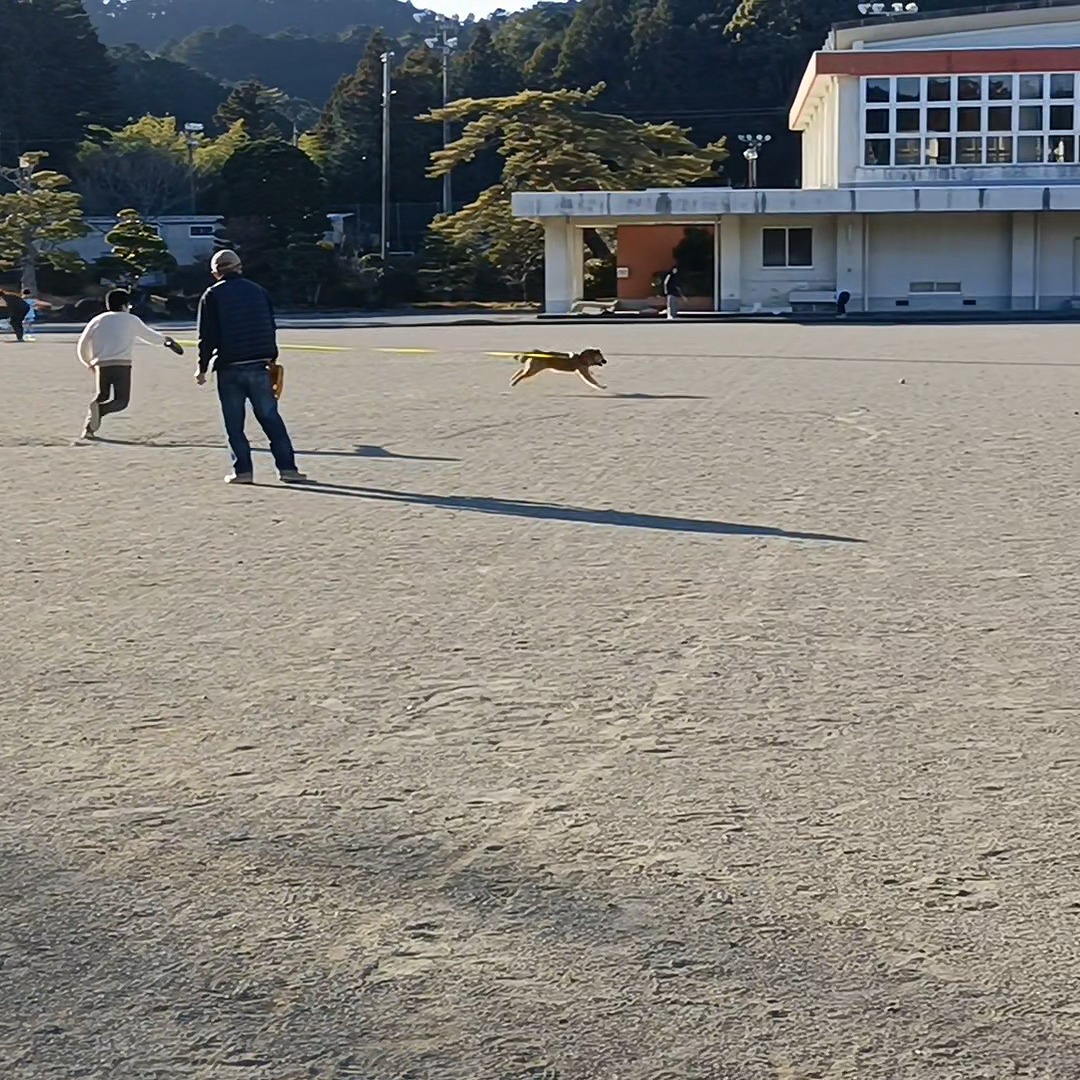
(17, 310)
(672, 291)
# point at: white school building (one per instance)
(940, 172)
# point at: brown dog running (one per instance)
(535, 362)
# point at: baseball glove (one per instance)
(277, 378)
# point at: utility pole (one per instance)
(446, 46)
(192, 135)
(22, 180)
(387, 58)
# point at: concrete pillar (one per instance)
(730, 263)
(851, 271)
(564, 266)
(1024, 262)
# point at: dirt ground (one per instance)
(719, 727)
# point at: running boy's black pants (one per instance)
(113, 388)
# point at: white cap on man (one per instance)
(225, 261)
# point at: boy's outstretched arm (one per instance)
(152, 337)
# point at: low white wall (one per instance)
(1058, 234)
(974, 249)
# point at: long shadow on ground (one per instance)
(357, 451)
(641, 397)
(576, 514)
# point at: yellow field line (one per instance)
(433, 352)
(386, 349)
(284, 345)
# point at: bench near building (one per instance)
(940, 172)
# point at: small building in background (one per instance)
(941, 171)
(190, 238)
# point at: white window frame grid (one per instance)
(998, 139)
(786, 230)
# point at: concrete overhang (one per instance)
(690, 205)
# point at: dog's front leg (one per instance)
(584, 373)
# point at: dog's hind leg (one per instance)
(527, 372)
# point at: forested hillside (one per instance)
(154, 23)
(717, 66)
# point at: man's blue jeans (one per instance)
(237, 384)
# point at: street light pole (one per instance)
(386, 58)
(23, 180)
(447, 196)
(753, 143)
(445, 45)
(192, 134)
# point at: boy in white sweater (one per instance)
(106, 347)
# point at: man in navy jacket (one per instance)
(237, 341)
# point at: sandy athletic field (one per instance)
(721, 727)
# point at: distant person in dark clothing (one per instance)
(17, 310)
(672, 291)
(238, 342)
(842, 301)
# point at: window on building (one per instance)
(909, 89)
(946, 120)
(201, 230)
(787, 247)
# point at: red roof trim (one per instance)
(947, 61)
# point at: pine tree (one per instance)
(52, 40)
(137, 249)
(38, 219)
(483, 70)
(657, 68)
(555, 141)
(257, 107)
(597, 46)
(273, 201)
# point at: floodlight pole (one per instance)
(447, 194)
(445, 45)
(753, 143)
(386, 58)
(192, 135)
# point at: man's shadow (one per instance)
(574, 514)
(643, 397)
(363, 451)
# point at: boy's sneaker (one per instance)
(87, 433)
(93, 421)
(240, 478)
(292, 476)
